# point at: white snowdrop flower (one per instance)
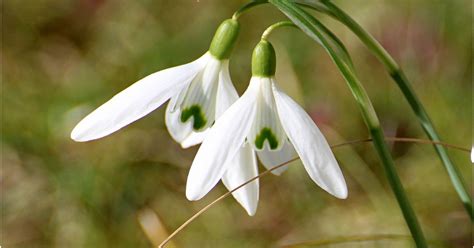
(199, 91)
(269, 123)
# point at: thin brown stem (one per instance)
(407, 140)
(395, 139)
(424, 141)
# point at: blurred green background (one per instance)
(63, 58)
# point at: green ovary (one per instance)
(266, 134)
(197, 114)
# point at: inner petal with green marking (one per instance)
(266, 134)
(195, 111)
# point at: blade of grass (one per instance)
(312, 28)
(403, 83)
(208, 206)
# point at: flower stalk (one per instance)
(246, 7)
(275, 26)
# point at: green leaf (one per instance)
(404, 84)
(314, 29)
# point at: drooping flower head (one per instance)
(274, 126)
(199, 91)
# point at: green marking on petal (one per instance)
(266, 134)
(197, 114)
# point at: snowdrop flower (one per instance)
(199, 91)
(268, 122)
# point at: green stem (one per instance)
(429, 129)
(275, 26)
(246, 7)
(313, 28)
(395, 183)
(403, 83)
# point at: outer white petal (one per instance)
(226, 93)
(244, 164)
(311, 146)
(136, 101)
(271, 158)
(242, 168)
(194, 138)
(178, 99)
(222, 142)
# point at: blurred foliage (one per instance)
(61, 59)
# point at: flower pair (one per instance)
(204, 107)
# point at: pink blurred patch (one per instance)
(321, 115)
(412, 39)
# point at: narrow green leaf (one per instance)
(314, 29)
(403, 83)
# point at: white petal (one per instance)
(136, 101)
(271, 158)
(266, 131)
(472, 154)
(311, 146)
(226, 93)
(221, 144)
(194, 138)
(200, 99)
(242, 168)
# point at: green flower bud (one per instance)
(224, 39)
(263, 60)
